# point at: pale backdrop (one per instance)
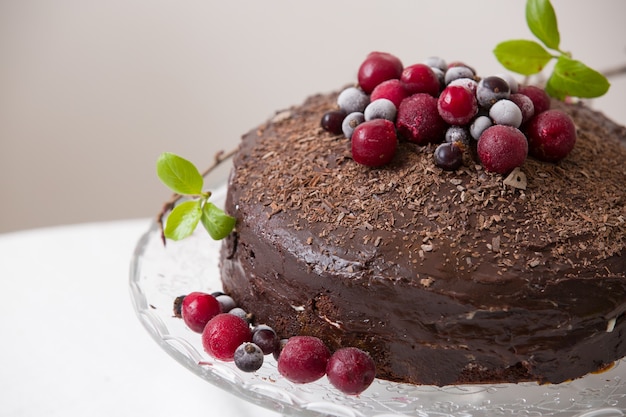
(92, 91)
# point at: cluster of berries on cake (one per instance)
(494, 118)
(229, 334)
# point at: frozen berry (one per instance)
(449, 156)
(265, 337)
(303, 359)
(380, 109)
(223, 334)
(239, 312)
(374, 142)
(226, 303)
(420, 78)
(436, 62)
(248, 357)
(197, 309)
(418, 120)
(391, 90)
(351, 370)
(376, 68)
(551, 135)
(479, 125)
(350, 122)
(457, 134)
(525, 104)
(539, 97)
(505, 112)
(490, 90)
(332, 120)
(352, 100)
(468, 83)
(502, 148)
(510, 79)
(457, 105)
(458, 71)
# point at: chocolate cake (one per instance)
(443, 277)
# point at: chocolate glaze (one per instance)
(444, 278)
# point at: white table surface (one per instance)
(71, 344)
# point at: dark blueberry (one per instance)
(265, 337)
(490, 90)
(449, 156)
(248, 357)
(332, 120)
(458, 134)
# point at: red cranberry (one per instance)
(539, 97)
(303, 359)
(457, 105)
(197, 309)
(420, 78)
(551, 135)
(223, 334)
(525, 104)
(376, 68)
(419, 121)
(374, 142)
(351, 370)
(393, 90)
(502, 148)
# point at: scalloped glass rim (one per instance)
(160, 273)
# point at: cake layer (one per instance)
(443, 277)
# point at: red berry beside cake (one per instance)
(501, 258)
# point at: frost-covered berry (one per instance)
(303, 359)
(511, 81)
(376, 68)
(479, 125)
(350, 122)
(456, 72)
(374, 142)
(352, 99)
(248, 357)
(239, 312)
(223, 334)
(380, 109)
(393, 90)
(436, 62)
(468, 83)
(226, 303)
(351, 370)
(332, 120)
(449, 156)
(265, 337)
(419, 121)
(197, 309)
(502, 148)
(420, 78)
(539, 97)
(525, 104)
(551, 135)
(458, 134)
(505, 112)
(490, 90)
(457, 105)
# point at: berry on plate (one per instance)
(303, 359)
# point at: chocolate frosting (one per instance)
(443, 277)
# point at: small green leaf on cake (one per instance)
(180, 175)
(573, 78)
(541, 20)
(183, 220)
(522, 56)
(216, 222)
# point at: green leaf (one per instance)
(522, 56)
(573, 78)
(179, 174)
(541, 21)
(183, 220)
(216, 222)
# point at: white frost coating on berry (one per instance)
(352, 100)
(479, 125)
(351, 122)
(436, 62)
(510, 79)
(505, 112)
(381, 108)
(468, 83)
(458, 72)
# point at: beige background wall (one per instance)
(92, 91)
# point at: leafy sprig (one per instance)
(182, 177)
(527, 57)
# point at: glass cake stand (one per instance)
(160, 273)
